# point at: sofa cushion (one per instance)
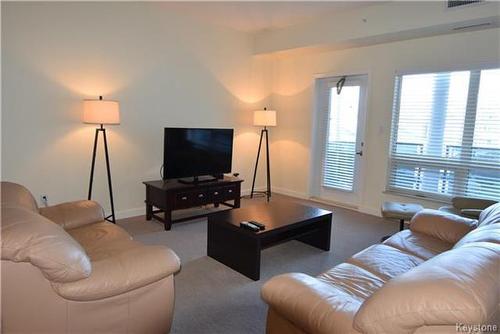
(486, 233)
(29, 237)
(418, 244)
(16, 196)
(123, 271)
(313, 305)
(442, 225)
(385, 261)
(352, 279)
(99, 239)
(458, 286)
(490, 215)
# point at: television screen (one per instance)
(196, 152)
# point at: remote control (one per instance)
(249, 226)
(259, 225)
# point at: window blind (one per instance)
(445, 137)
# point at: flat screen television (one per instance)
(195, 152)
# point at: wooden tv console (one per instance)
(169, 195)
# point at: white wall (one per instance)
(166, 70)
(169, 70)
(293, 98)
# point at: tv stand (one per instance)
(197, 179)
(170, 195)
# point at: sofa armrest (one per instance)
(74, 214)
(442, 225)
(311, 304)
(121, 273)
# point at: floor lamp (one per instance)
(101, 112)
(263, 118)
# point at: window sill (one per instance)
(420, 197)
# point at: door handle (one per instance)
(360, 153)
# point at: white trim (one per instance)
(344, 205)
(301, 195)
(370, 211)
(416, 195)
(122, 214)
(246, 192)
(291, 193)
(342, 74)
(451, 68)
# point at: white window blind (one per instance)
(340, 147)
(446, 134)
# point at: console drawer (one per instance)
(229, 192)
(201, 197)
(183, 200)
(189, 199)
(224, 193)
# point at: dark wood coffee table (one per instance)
(240, 248)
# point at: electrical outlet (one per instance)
(44, 199)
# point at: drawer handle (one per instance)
(184, 198)
(200, 195)
(230, 191)
(216, 193)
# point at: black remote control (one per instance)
(249, 226)
(259, 225)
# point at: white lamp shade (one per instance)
(101, 112)
(264, 118)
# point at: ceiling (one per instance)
(255, 16)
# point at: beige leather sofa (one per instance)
(469, 207)
(66, 270)
(442, 273)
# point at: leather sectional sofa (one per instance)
(440, 276)
(65, 269)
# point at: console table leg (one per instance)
(237, 202)
(149, 211)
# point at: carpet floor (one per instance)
(212, 298)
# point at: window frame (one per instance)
(394, 128)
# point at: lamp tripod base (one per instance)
(267, 192)
(111, 218)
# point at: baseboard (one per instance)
(370, 211)
(301, 195)
(130, 213)
(291, 193)
(122, 214)
(246, 192)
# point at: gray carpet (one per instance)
(212, 298)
